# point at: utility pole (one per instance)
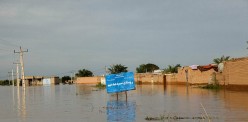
(71, 77)
(17, 74)
(106, 70)
(13, 83)
(22, 66)
(9, 77)
(74, 78)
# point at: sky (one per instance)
(67, 35)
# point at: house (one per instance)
(41, 80)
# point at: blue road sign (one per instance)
(120, 82)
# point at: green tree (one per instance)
(65, 78)
(84, 73)
(172, 68)
(141, 68)
(4, 82)
(117, 68)
(146, 68)
(221, 59)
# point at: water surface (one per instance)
(84, 103)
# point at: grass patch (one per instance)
(163, 117)
(215, 83)
(178, 118)
(211, 86)
(100, 85)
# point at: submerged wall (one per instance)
(55, 80)
(88, 80)
(149, 78)
(235, 73)
(194, 76)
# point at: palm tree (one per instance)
(172, 69)
(146, 68)
(84, 73)
(118, 68)
(221, 59)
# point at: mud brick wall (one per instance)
(194, 76)
(88, 80)
(172, 79)
(149, 78)
(221, 79)
(236, 72)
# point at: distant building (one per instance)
(159, 71)
(41, 80)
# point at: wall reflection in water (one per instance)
(123, 111)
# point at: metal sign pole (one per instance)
(126, 95)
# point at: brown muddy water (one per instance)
(84, 103)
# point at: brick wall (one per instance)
(236, 72)
(173, 79)
(149, 78)
(88, 80)
(194, 76)
(144, 78)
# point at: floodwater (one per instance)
(84, 103)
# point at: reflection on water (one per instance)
(23, 107)
(79, 103)
(122, 111)
(21, 102)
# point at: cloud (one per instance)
(69, 35)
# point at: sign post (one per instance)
(121, 82)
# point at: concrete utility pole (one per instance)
(9, 74)
(17, 74)
(71, 77)
(22, 65)
(13, 82)
(106, 70)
